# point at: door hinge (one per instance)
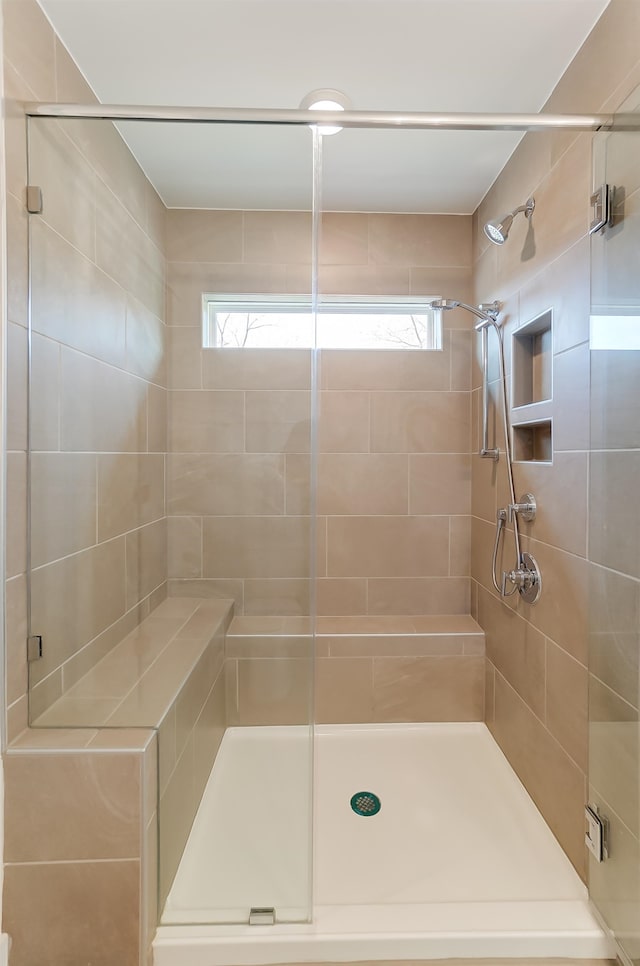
(597, 834)
(34, 199)
(602, 204)
(34, 647)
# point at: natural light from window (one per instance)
(271, 322)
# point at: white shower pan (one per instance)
(457, 863)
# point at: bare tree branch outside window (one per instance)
(413, 337)
(234, 328)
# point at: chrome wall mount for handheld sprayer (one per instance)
(525, 577)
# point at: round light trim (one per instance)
(325, 99)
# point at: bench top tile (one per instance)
(140, 678)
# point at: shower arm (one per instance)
(527, 208)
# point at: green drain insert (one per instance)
(365, 803)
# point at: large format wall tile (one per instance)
(420, 422)
(146, 561)
(439, 483)
(102, 408)
(248, 484)
(29, 44)
(92, 807)
(88, 911)
(555, 783)
(614, 632)
(419, 240)
(131, 491)
(277, 421)
(375, 408)
(67, 289)
(418, 595)
(516, 649)
(255, 546)
(369, 546)
(385, 369)
(63, 509)
(204, 236)
(428, 689)
(68, 183)
(75, 598)
(206, 422)
(362, 483)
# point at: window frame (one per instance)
(329, 304)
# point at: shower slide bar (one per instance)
(347, 119)
(485, 451)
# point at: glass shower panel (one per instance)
(614, 541)
(172, 530)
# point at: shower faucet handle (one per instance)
(525, 578)
(526, 508)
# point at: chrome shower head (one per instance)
(487, 313)
(444, 304)
(497, 231)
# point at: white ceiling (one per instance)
(397, 55)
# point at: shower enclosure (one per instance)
(244, 410)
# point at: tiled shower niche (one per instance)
(532, 390)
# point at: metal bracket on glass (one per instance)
(596, 834)
(601, 202)
(34, 199)
(34, 647)
(262, 916)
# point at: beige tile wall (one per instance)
(537, 655)
(366, 669)
(394, 484)
(99, 399)
(81, 853)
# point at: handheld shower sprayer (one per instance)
(525, 576)
(487, 313)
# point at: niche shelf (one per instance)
(533, 442)
(532, 390)
(532, 362)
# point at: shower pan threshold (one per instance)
(458, 863)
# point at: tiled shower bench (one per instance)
(110, 778)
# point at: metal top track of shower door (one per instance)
(345, 119)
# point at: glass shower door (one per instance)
(172, 412)
(614, 542)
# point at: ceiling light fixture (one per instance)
(325, 99)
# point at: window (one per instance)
(268, 322)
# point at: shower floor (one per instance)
(458, 862)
